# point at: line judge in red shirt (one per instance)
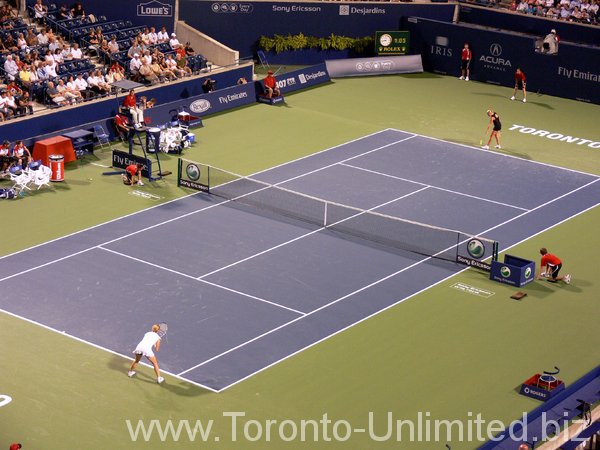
(520, 83)
(550, 265)
(465, 62)
(271, 85)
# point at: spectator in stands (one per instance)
(22, 154)
(77, 11)
(50, 69)
(189, 51)
(27, 77)
(161, 74)
(523, 6)
(4, 111)
(31, 38)
(113, 76)
(182, 65)
(174, 42)
(57, 56)
(67, 52)
(42, 75)
(270, 84)
(10, 67)
(136, 47)
(82, 87)
(137, 114)
(152, 37)
(11, 103)
(53, 95)
(146, 37)
(93, 42)
(76, 52)
(72, 95)
(10, 43)
(172, 66)
(24, 104)
(156, 54)
(146, 58)
(116, 67)
(40, 11)
(113, 45)
(97, 84)
(134, 67)
(148, 74)
(64, 13)
(21, 42)
(465, 60)
(163, 36)
(180, 50)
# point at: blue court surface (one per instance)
(242, 290)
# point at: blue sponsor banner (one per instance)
(221, 100)
(572, 73)
(302, 78)
(514, 271)
(240, 24)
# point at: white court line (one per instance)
(375, 283)
(395, 304)
(434, 187)
(191, 195)
(202, 281)
(310, 233)
(99, 347)
(491, 152)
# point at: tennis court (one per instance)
(242, 289)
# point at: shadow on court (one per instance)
(145, 374)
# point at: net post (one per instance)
(208, 178)
(179, 165)
(495, 251)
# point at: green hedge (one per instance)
(291, 42)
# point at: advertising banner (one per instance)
(382, 65)
(392, 42)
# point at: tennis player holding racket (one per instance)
(496, 126)
(144, 348)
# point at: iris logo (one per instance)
(528, 272)
(495, 49)
(199, 106)
(505, 271)
(193, 172)
(476, 248)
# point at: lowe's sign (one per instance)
(154, 9)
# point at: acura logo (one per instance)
(496, 49)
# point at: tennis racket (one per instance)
(162, 329)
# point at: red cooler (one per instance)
(57, 166)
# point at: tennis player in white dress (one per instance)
(144, 348)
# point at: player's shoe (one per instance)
(159, 380)
(140, 183)
(467, 79)
(567, 278)
(461, 78)
(486, 147)
(131, 373)
(524, 100)
(497, 146)
(513, 97)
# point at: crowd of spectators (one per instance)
(37, 59)
(582, 11)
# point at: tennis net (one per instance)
(383, 229)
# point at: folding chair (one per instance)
(101, 136)
(41, 176)
(263, 60)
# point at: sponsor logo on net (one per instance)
(237, 426)
(375, 66)
(494, 59)
(154, 9)
(555, 136)
(200, 106)
(243, 8)
(347, 10)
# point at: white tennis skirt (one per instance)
(146, 351)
